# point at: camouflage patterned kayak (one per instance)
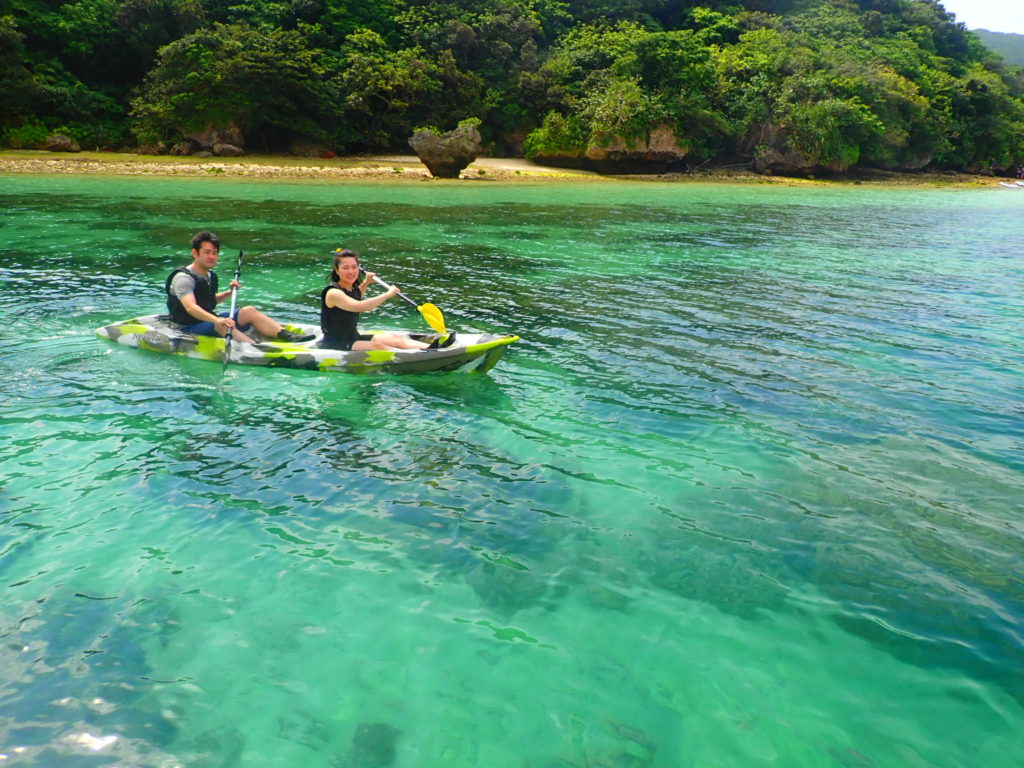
(471, 352)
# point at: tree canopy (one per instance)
(1006, 44)
(829, 84)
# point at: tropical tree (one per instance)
(821, 83)
(266, 83)
(606, 83)
(387, 94)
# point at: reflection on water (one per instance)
(756, 458)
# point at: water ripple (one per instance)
(748, 436)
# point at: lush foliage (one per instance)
(1009, 46)
(268, 83)
(828, 84)
(604, 82)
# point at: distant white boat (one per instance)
(1019, 183)
(1015, 185)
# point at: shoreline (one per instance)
(409, 167)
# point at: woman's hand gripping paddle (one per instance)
(234, 297)
(430, 313)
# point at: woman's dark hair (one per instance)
(205, 237)
(339, 254)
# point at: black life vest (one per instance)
(204, 292)
(339, 325)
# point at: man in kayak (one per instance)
(192, 296)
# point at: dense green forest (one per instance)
(781, 85)
(1006, 44)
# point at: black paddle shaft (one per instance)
(234, 295)
(362, 273)
(234, 291)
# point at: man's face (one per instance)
(206, 256)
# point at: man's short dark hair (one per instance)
(205, 237)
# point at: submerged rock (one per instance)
(373, 745)
(507, 589)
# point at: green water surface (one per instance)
(747, 493)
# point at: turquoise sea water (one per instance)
(747, 493)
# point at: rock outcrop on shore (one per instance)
(60, 143)
(448, 154)
(659, 151)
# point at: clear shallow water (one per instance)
(747, 493)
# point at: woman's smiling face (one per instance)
(348, 269)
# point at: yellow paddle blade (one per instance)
(433, 317)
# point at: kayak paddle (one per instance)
(430, 313)
(234, 296)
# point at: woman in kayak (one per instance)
(342, 301)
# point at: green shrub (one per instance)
(26, 136)
(557, 135)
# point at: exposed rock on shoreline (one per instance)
(60, 143)
(448, 154)
(657, 152)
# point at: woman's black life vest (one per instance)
(339, 325)
(204, 292)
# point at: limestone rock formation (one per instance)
(59, 143)
(448, 154)
(658, 151)
(307, 148)
(183, 148)
(772, 152)
(771, 159)
(227, 150)
(153, 148)
(208, 136)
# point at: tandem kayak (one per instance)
(471, 352)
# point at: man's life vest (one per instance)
(204, 292)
